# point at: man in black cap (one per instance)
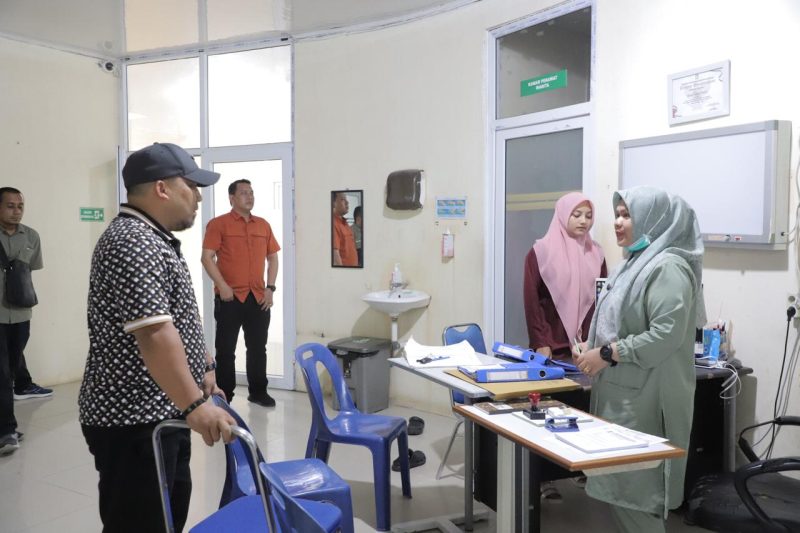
(147, 358)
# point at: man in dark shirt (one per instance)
(147, 358)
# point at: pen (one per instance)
(577, 345)
(429, 358)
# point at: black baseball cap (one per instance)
(161, 161)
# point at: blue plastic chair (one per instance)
(350, 426)
(471, 333)
(310, 479)
(298, 515)
(243, 515)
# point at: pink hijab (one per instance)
(569, 265)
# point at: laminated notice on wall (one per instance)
(448, 245)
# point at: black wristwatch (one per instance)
(211, 366)
(605, 354)
(273, 288)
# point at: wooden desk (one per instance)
(473, 392)
(456, 381)
(505, 390)
(712, 447)
(519, 435)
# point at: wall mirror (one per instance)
(347, 229)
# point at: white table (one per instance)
(513, 498)
(471, 393)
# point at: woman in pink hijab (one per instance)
(560, 273)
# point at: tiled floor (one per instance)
(50, 484)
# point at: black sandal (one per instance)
(415, 425)
(415, 458)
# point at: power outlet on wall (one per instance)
(793, 300)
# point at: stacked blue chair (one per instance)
(350, 426)
(309, 479)
(297, 515)
(454, 334)
(292, 515)
(270, 509)
(243, 515)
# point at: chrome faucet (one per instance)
(394, 287)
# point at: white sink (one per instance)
(393, 303)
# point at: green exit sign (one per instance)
(540, 84)
(92, 214)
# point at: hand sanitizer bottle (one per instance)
(397, 276)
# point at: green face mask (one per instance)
(640, 244)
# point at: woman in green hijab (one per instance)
(641, 348)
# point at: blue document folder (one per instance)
(524, 355)
(512, 372)
(511, 352)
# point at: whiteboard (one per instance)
(736, 179)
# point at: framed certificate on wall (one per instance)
(699, 93)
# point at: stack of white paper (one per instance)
(421, 356)
(606, 438)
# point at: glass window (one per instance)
(164, 103)
(234, 18)
(545, 66)
(192, 247)
(250, 97)
(153, 24)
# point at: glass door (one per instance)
(268, 168)
(535, 166)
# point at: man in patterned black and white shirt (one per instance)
(147, 358)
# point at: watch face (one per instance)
(606, 352)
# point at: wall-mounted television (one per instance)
(736, 178)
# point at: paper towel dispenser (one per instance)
(405, 189)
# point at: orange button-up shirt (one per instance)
(241, 247)
(344, 242)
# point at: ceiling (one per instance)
(98, 27)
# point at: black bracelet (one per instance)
(211, 366)
(197, 403)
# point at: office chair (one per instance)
(350, 426)
(471, 333)
(309, 479)
(756, 498)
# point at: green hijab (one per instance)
(664, 226)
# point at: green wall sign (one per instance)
(92, 214)
(540, 84)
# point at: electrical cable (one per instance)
(785, 387)
(779, 406)
(791, 369)
(791, 311)
(733, 382)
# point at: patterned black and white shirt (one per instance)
(138, 279)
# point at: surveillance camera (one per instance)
(107, 66)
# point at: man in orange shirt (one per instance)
(344, 244)
(235, 248)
